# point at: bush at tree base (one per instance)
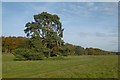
(25, 54)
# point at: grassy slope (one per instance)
(72, 67)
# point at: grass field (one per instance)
(101, 66)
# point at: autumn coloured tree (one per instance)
(9, 44)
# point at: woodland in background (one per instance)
(9, 44)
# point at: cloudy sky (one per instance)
(88, 24)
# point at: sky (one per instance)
(87, 24)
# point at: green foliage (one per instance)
(35, 56)
(71, 49)
(64, 50)
(45, 33)
(21, 53)
(79, 50)
(96, 51)
(44, 24)
(46, 52)
(25, 54)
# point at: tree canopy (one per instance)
(44, 24)
(45, 34)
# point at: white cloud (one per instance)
(40, 8)
(78, 9)
(97, 34)
(89, 8)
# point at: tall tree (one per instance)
(46, 29)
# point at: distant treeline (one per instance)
(9, 44)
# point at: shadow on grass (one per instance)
(50, 58)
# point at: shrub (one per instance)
(25, 54)
(64, 51)
(35, 56)
(46, 52)
(20, 53)
(79, 50)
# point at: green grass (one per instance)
(101, 66)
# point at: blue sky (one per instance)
(88, 24)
